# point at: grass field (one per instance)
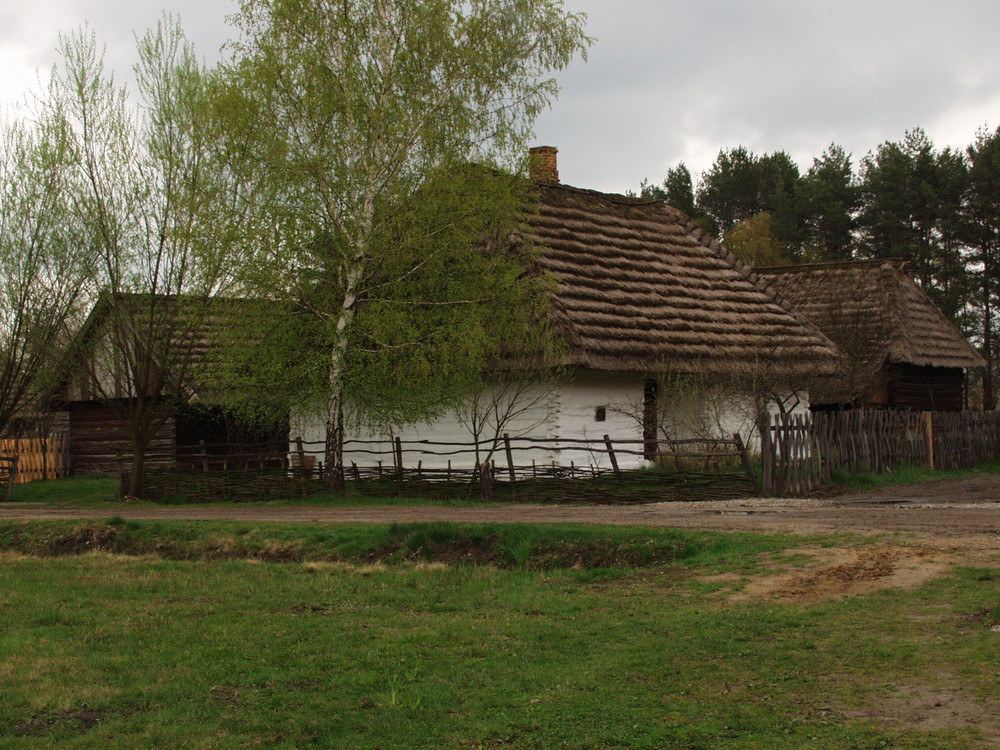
(100, 491)
(214, 635)
(911, 474)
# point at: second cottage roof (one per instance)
(875, 313)
(640, 288)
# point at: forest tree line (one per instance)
(936, 208)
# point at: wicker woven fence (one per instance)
(506, 469)
(800, 452)
(38, 458)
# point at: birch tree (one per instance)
(367, 115)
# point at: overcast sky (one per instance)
(669, 80)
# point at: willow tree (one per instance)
(44, 267)
(365, 116)
(158, 209)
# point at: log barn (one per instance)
(898, 350)
(171, 346)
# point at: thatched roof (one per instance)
(642, 289)
(180, 334)
(875, 313)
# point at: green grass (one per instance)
(637, 644)
(910, 475)
(529, 546)
(99, 491)
(76, 490)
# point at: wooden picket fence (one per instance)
(38, 458)
(802, 451)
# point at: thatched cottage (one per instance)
(899, 350)
(666, 332)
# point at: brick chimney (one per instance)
(542, 164)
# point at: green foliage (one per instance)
(44, 263)
(677, 190)
(983, 159)
(830, 197)
(153, 203)
(754, 243)
(741, 185)
(912, 199)
(357, 124)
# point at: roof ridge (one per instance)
(628, 200)
(897, 263)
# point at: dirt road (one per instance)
(966, 509)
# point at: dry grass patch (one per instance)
(931, 708)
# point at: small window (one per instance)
(600, 414)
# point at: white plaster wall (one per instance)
(568, 411)
(621, 397)
(719, 412)
(533, 416)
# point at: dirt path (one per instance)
(963, 512)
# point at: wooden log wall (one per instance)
(99, 441)
(926, 388)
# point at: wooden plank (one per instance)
(38, 458)
(744, 459)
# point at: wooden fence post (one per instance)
(204, 455)
(11, 476)
(766, 456)
(399, 457)
(929, 437)
(301, 452)
(485, 482)
(612, 456)
(121, 473)
(745, 460)
(510, 458)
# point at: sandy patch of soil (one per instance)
(838, 572)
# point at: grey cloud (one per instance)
(676, 76)
(672, 80)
